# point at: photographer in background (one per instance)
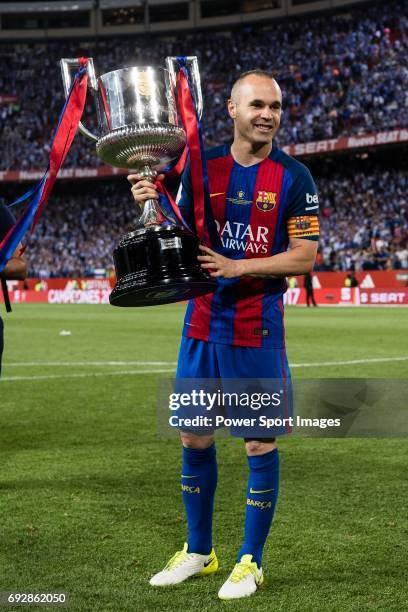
(308, 285)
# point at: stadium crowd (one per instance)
(364, 224)
(340, 74)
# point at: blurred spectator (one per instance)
(351, 280)
(308, 285)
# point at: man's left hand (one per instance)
(218, 265)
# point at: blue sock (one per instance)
(198, 484)
(262, 494)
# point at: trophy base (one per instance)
(128, 293)
(158, 265)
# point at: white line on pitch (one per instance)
(351, 362)
(173, 363)
(88, 363)
(86, 375)
(163, 371)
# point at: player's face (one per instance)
(256, 109)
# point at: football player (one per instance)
(265, 207)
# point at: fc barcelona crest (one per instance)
(303, 223)
(266, 200)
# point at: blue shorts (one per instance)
(201, 359)
(212, 366)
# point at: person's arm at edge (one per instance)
(16, 267)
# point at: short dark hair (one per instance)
(256, 72)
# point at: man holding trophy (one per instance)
(262, 202)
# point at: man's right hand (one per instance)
(142, 189)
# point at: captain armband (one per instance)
(306, 226)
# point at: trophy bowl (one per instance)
(154, 145)
(139, 130)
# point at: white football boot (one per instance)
(243, 580)
(183, 565)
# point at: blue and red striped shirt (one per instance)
(256, 210)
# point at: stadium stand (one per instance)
(364, 222)
(343, 74)
(339, 76)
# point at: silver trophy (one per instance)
(139, 129)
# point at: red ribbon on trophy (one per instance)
(37, 197)
(204, 220)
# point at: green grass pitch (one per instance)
(90, 500)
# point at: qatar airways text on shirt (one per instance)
(241, 237)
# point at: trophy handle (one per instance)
(192, 67)
(66, 65)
